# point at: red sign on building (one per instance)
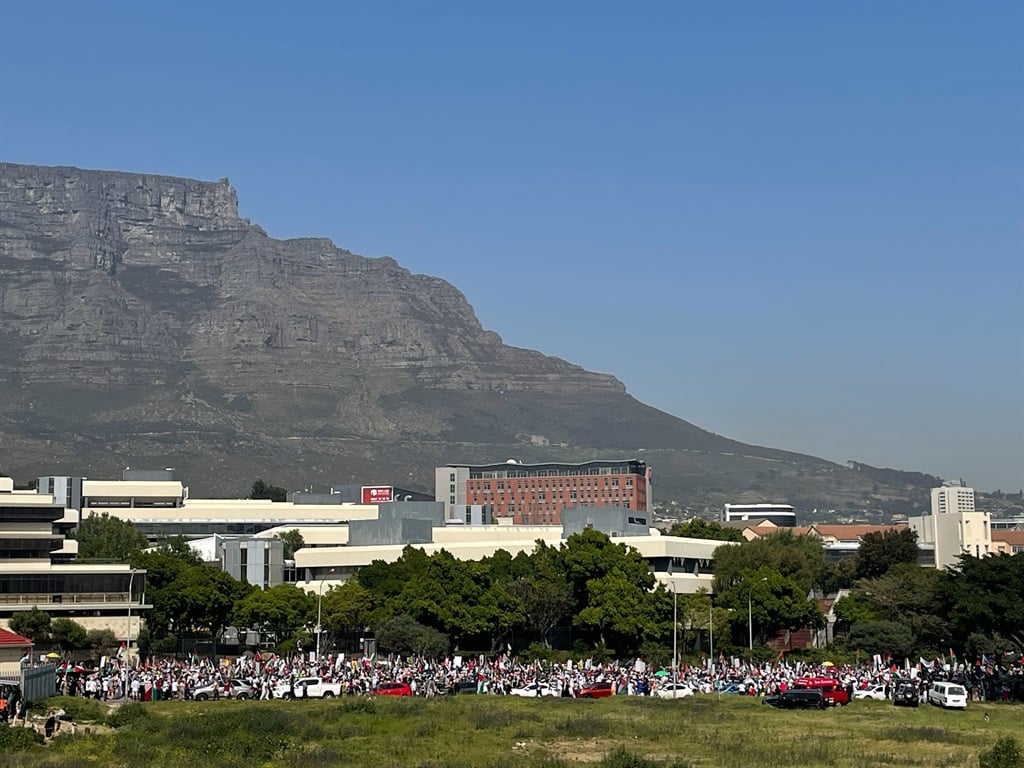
(378, 494)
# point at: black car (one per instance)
(797, 698)
(464, 687)
(905, 695)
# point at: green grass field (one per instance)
(499, 732)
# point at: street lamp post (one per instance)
(675, 633)
(750, 620)
(711, 636)
(128, 644)
(319, 606)
(750, 614)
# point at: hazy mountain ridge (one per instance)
(143, 322)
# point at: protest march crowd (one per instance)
(268, 677)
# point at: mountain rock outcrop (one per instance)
(142, 321)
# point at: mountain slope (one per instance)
(143, 322)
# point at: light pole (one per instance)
(131, 581)
(711, 635)
(319, 606)
(750, 619)
(675, 634)
(128, 644)
(750, 613)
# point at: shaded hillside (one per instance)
(142, 322)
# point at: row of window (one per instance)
(70, 583)
(487, 486)
(559, 471)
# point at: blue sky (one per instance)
(795, 224)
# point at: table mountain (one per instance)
(144, 323)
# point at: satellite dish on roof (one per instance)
(511, 461)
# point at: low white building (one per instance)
(682, 565)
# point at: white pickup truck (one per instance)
(307, 688)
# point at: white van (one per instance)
(948, 695)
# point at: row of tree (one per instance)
(593, 594)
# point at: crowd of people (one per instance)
(178, 679)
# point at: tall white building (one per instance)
(952, 498)
(954, 526)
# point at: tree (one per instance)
(621, 612)
(773, 601)
(201, 598)
(293, 542)
(103, 640)
(987, 595)
(702, 529)
(404, 635)
(801, 558)
(909, 595)
(69, 635)
(882, 637)
(33, 624)
(260, 490)
(179, 548)
(349, 607)
(591, 555)
(102, 537)
(855, 607)
(284, 607)
(161, 572)
(545, 602)
(880, 551)
(612, 587)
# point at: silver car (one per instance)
(238, 689)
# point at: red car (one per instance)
(393, 689)
(596, 691)
(833, 691)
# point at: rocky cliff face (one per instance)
(142, 319)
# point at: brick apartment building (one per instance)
(536, 494)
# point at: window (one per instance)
(451, 488)
(451, 478)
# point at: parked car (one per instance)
(906, 695)
(307, 688)
(393, 689)
(464, 687)
(534, 689)
(876, 692)
(737, 688)
(237, 689)
(948, 695)
(833, 691)
(797, 698)
(674, 691)
(596, 691)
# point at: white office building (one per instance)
(782, 515)
(954, 527)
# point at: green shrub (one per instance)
(78, 709)
(1005, 753)
(16, 739)
(127, 713)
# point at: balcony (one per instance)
(71, 601)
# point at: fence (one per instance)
(36, 683)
